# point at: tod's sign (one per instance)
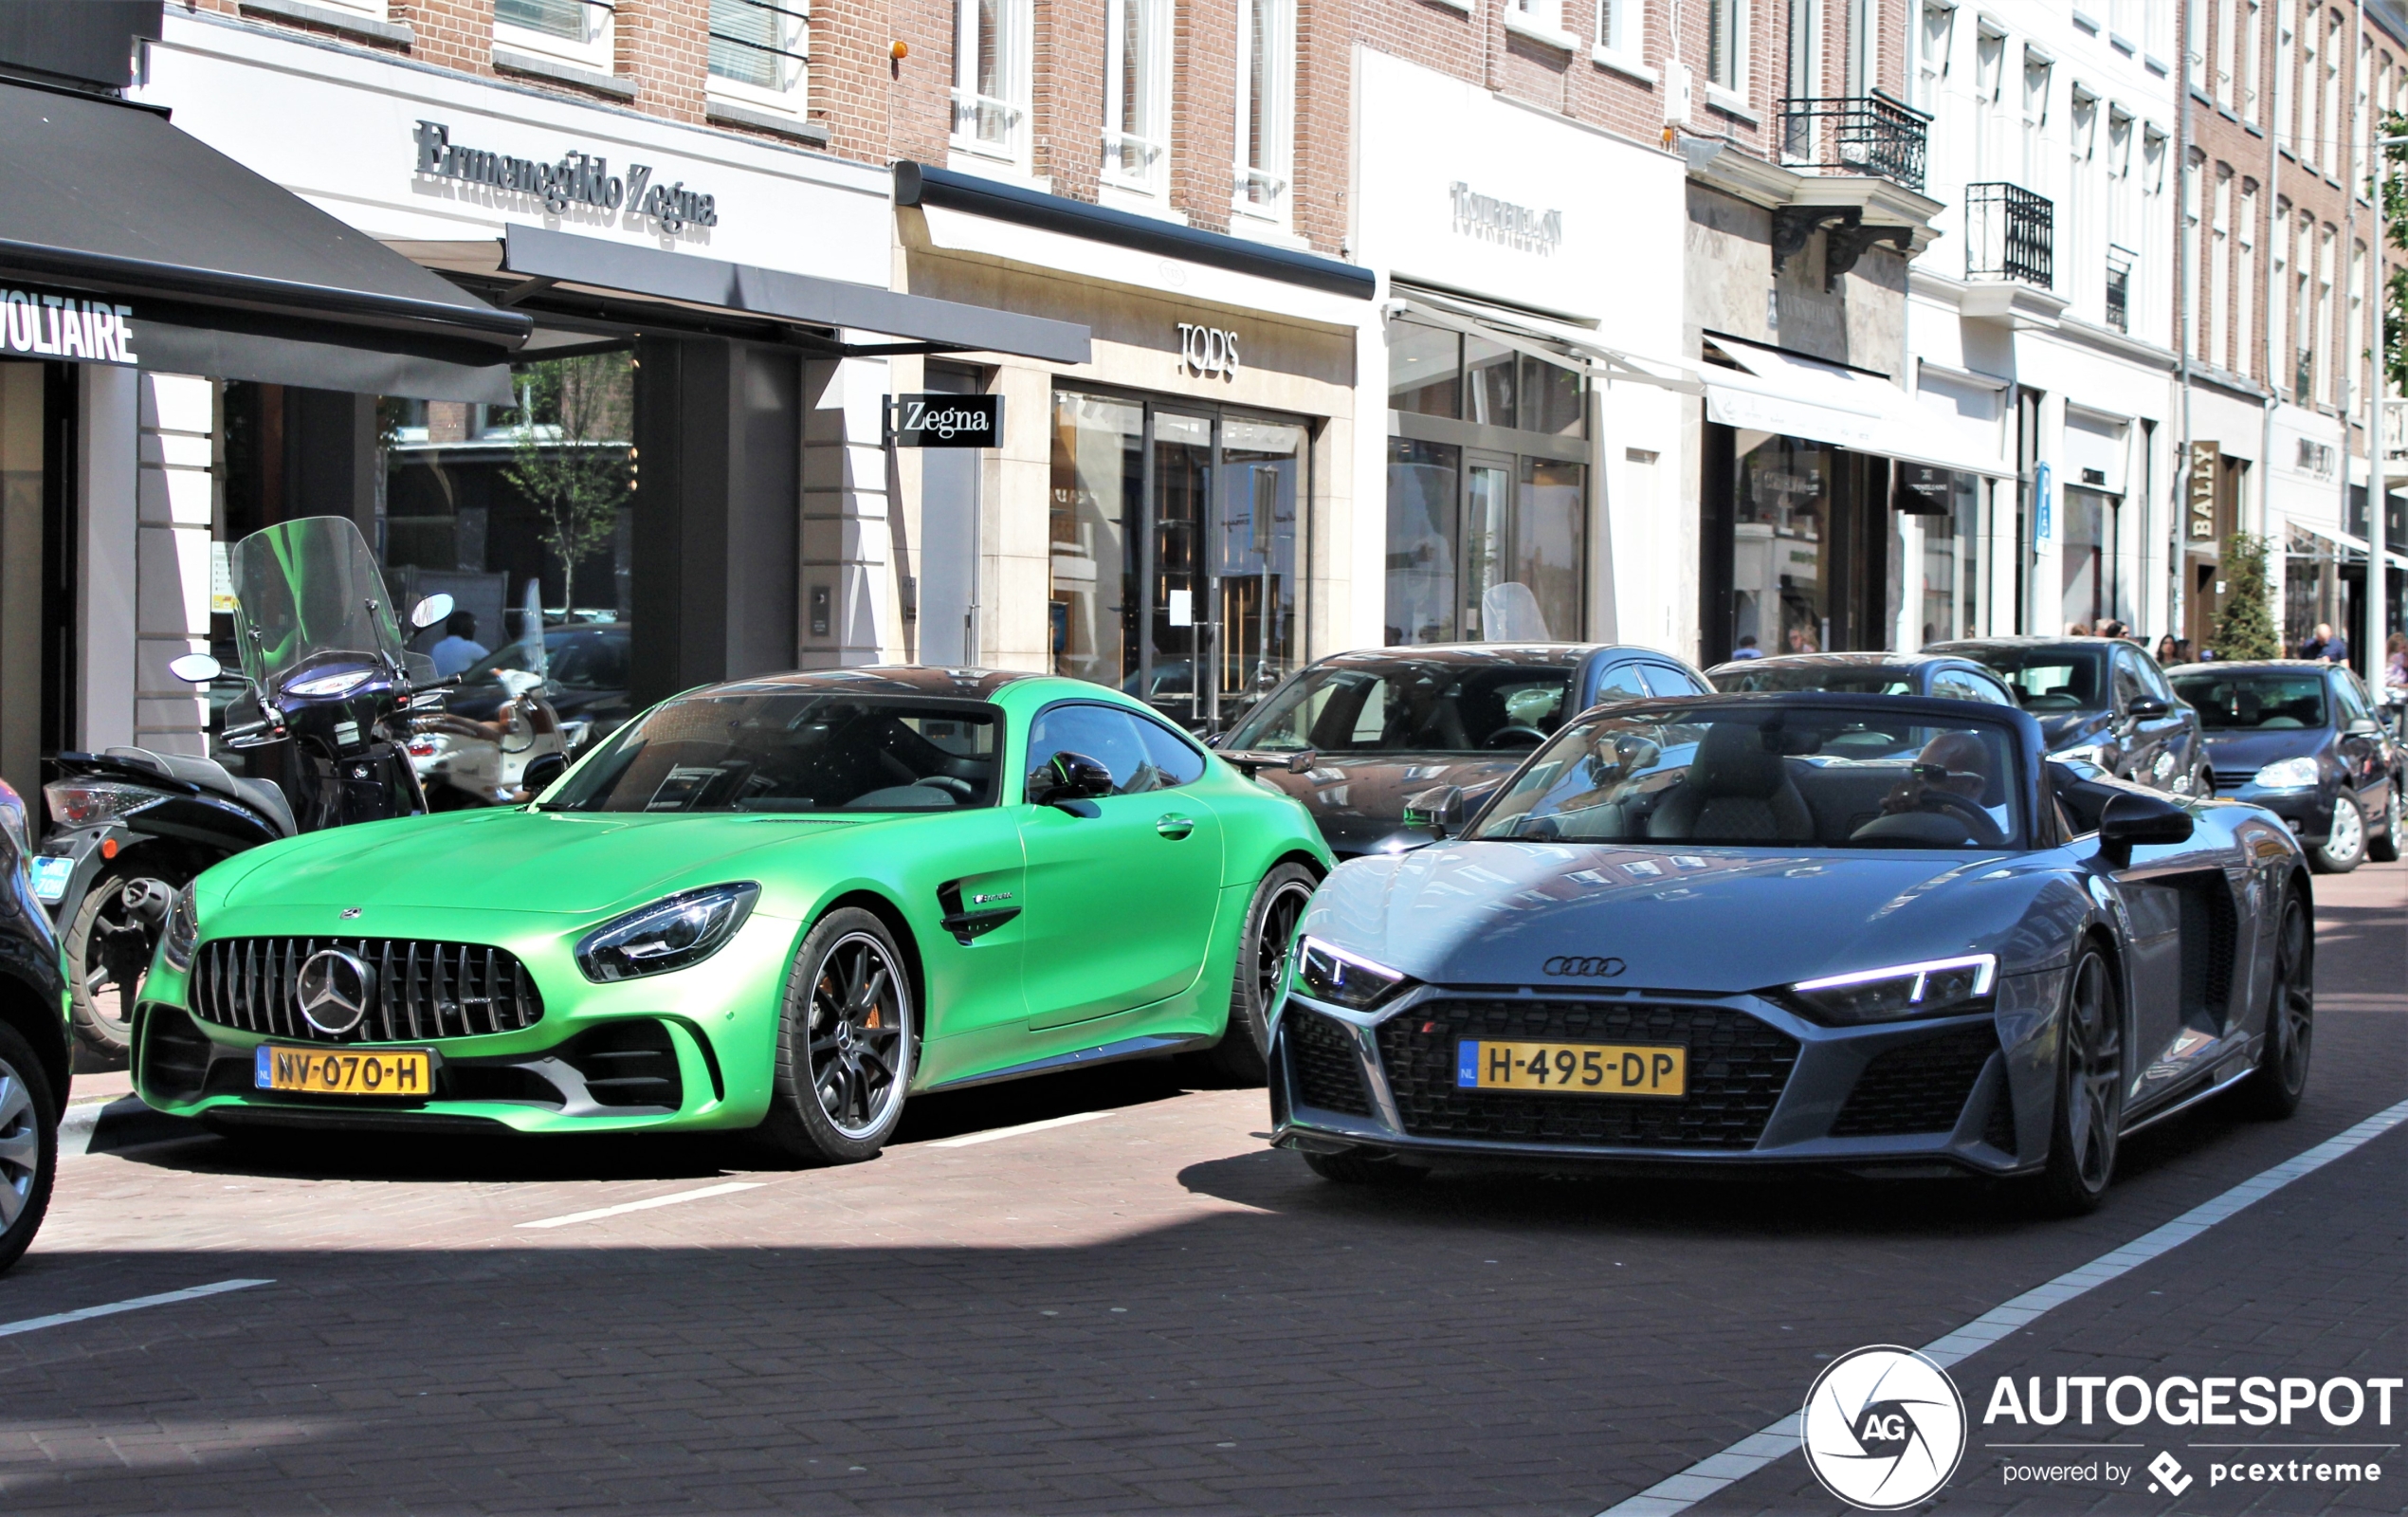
(577, 179)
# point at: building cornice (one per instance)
(1719, 165)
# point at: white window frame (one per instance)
(1934, 40)
(2245, 280)
(1139, 159)
(1621, 39)
(1541, 21)
(598, 52)
(2286, 64)
(2278, 331)
(1262, 191)
(1014, 44)
(795, 16)
(1863, 74)
(1733, 17)
(2249, 50)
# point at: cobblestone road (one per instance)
(1146, 1309)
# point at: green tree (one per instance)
(572, 456)
(2395, 187)
(2245, 628)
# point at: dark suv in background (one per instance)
(2102, 700)
(2302, 739)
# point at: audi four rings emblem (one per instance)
(1572, 966)
(334, 988)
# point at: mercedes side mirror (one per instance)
(195, 668)
(431, 610)
(1070, 781)
(2133, 820)
(2147, 705)
(1440, 808)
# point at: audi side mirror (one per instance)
(2133, 820)
(431, 610)
(1440, 808)
(195, 668)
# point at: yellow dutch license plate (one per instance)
(343, 1072)
(1573, 1068)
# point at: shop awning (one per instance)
(925, 324)
(2349, 543)
(227, 273)
(1776, 391)
(1553, 342)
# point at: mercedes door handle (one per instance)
(1176, 828)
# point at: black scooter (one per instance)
(324, 679)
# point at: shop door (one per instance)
(1178, 645)
(1488, 526)
(1254, 561)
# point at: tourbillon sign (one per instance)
(53, 324)
(577, 179)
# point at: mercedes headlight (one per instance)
(1341, 979)
(183, 931)
(324, 687)
(2289, 773)
(675, 932)
(1936, 987)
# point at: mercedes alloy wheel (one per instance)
(1277, 905)
(844, 1046)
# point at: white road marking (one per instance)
(9, 1330)
(991, 1136)
(625, 1207)
(1678, 1492)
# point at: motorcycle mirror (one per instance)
(195, 668)
(431, 610)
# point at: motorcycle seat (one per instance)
(209, 775)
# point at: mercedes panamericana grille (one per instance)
(1873, 933)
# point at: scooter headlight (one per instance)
(325, 686)
(183, 932)
(675, 932)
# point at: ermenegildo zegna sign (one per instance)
(947, 421)
(578, 179)
(51, 324)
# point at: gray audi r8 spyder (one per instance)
(1880, 934)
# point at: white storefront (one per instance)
(1510, 282)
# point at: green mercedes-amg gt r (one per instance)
(780, 902)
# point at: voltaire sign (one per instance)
(1502, 221)
(578, 179)
(51, 324)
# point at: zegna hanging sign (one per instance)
(52, 324)
(578, 179)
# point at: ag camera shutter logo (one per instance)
(1883, 1428)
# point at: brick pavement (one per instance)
(1149, 1310)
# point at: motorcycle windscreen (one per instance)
(306, 589)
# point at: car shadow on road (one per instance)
(150, 1137)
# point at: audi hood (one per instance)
(1714, 921)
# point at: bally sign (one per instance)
(47, 324)
(578, 179)
(947, 421)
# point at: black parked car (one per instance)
(1943, 676)
(2100, 700)
(588, 679)
(35, 1052)
(2302, 739)
(1385, 725)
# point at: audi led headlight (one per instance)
(1341, 978)
(183, 931)
(2287, 773)
(674, 932)
(1936, 987)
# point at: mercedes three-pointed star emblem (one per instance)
(333, 988)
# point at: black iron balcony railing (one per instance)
(1870, 135)
(2010, 233)
(2118, 288)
